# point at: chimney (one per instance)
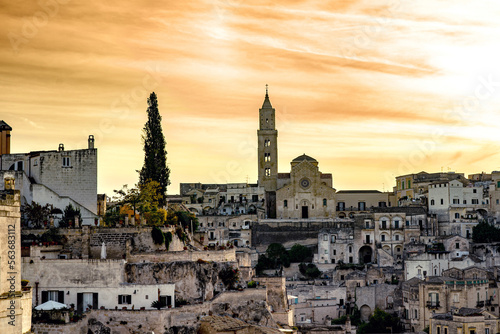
(91, 142)
(9, 183)
(61, 147)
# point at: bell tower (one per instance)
(268, 154)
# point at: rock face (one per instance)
(193, 280)
(252, 312)
(181, 330)
(97, 327)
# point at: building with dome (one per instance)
(305, 192)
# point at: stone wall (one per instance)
(247, 305)
(193, 280)
(188, 255)
(289, 231)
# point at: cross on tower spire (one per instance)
(266, 90)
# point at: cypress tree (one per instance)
(155, 155)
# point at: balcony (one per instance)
(432, 304)
(480, 304)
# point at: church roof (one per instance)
(4, 126)
(304, 157)
(267, 102)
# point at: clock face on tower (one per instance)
(305, 183)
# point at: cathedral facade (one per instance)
(302, 193)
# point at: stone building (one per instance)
(464, 321)
(5, 130)
(305, 192)
(414, 186)
(351, 202)
(57, 177)
(470, 287)
(452, 201)
(15, 301)
(376, 237)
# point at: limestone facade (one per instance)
(57, 177)
(15, 302)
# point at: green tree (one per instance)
(128, 196)
(484, 232)
(299, 253)
(309, 270)
(229, 277)
(155, 155)
(35, 213)
(381, 322)
(69, 216)
(157, 235)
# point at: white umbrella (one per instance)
(50, 305)
(103, 251)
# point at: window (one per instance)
(350, 259)
(455, 297)
(416, 314)
(325, 237)
(382, 237)
(442, 201)
(384, 224)
(465, 201)
(324, 201)
(334, 252)
(361, 206)
(333, 238)
(57, 296)
(409, 183)
(457, 245)
(457, 215)
(432, 202)
(167, 300)
(66, 162)
(396, 237)
(438, 329)
(456, 201)
(267, 143)
(285, 203)
(474, 191)
(350, 249)
(124, 299)
(367, 224)
(396, 224)
(268, 171)
(326, 251)
(267, 157)
(433, 299)
(475, 201)
(341, 206)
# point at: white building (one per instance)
(57, 177)
(451, 201)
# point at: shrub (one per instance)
(157, 236)
(158, 304)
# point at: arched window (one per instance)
(324, 201)
(432, 202)
(285, 203)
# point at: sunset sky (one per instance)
(371, 89)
